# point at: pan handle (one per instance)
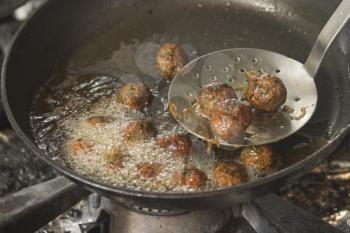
(325, 39)
(272, 214)
(31, 208)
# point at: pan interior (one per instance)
(115, 44)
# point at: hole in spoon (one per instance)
(243, 70)
(226, 69)
(237, 59)
(278, 71)
(190, 94)
(230, 80)
(255, 60)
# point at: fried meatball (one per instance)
(228, 174)
(226, 127)
(139, 131)
(135, 96)
(149, 170)
(80, 146)
(115, 158)
(178, 144)
(99, 120)
(260, 159)
(238, 110)
(191, 177)
(265, 92)
(212, 94)
(170, 60)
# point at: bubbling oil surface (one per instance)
(89, 88)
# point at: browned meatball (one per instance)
(228, 174)
(170, 60)
(261, 159)
(226, 127)
(99, 120)
(135, 96)
(265, 92)
(139, 130)
(212, 94)
(115, 158)
(238, 110)
(178, 144)
(191, 177)
(149, 170)
(81, 146)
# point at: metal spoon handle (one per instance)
(325, 39)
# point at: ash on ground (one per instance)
(19, 168)
(325, 191)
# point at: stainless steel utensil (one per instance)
(230, 66)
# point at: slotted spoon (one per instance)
(230, 66)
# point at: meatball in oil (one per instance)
(149, 170)
(228, 174)
(139, 131)
(135, 96)
(170, 60)
(191, 177)
(115, 158)
(178, 144)
(265, 92)
(259, 159)
(80, 146)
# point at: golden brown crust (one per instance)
(139, 131)
(228, 174)
(239, 111)
(115, 158)
(262, 158)
(178, 144)
(226, 127)
(80, 146)
(149, 170)
(135, 96)
(265, 92)
(212, 94)
(170, 60)
(191, 177)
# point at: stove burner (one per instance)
(154, 212)
(145, 220)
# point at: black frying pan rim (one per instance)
(101, 187)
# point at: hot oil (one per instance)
(88, 86)
(60, 118)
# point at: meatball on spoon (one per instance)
(277, 87)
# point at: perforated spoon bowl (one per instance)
(230, 66)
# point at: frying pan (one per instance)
(285, 26)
